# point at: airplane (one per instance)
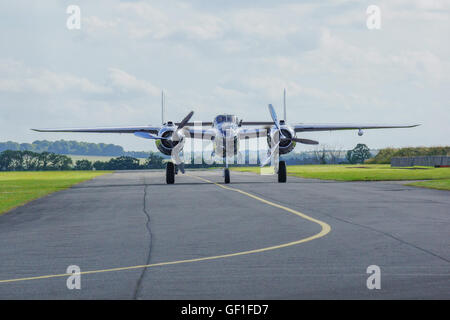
(225, 132)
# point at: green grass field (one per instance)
(18, 188)
(443, 184)
(363, 172)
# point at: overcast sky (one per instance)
(226, 57)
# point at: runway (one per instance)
(134, 237)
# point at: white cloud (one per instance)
(234, 56)
(15, 77)
(145, 20)
(95, 24)
(273, 22)
(273, 87)
(126, 82)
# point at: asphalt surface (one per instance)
(133, 218)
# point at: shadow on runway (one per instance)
(203, 183)
(163, 184)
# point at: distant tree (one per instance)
(123, 163)
(334, 154)
(359, 154)
(320, 155)
(154, 161)
(30, 160)
(100, 165)
(384, 155)
(59, 162)
(83, 165)
(44, 159)
(9, 145)
(11, 160)
(14, 160)
(6, 160)
(41, 145)
(26, 147)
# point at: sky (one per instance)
(233, 57)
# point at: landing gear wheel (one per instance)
(226, 173)
(170, 173)
(282, 171)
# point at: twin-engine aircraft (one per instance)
(225, 132)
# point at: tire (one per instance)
(227, 175)
(282, 172)
(170, 173)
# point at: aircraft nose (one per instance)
(228, 132)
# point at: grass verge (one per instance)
(439, 178)
(443, 184)
(377, 172)
(18, 188)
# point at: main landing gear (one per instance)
(282, 172)
(226, 174)
(170, 173)
(172, 169)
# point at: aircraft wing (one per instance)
(199, 133)
(253, 132)
(304, 127)
(131, 129)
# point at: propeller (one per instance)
(146, 135)
(269, 156)
(276, 123)
(273, 114)
(185, 120)
(181, 125)
(304, 141)
(272, 151)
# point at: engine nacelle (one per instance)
(163, 145)
(286, 145)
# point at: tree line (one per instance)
(12, 160)
(72, 147)
(17, 160)
(384, 155)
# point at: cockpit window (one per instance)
(226, 118)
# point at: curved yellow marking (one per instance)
(325, 229)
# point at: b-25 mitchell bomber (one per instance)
(225, 132)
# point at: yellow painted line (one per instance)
(325, 230)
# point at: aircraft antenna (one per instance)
(162, 106)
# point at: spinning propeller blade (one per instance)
(185, 120)
(146, 135)
(304, 141)
(273, 114)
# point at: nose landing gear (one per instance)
(170, 173)
(226, 174)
